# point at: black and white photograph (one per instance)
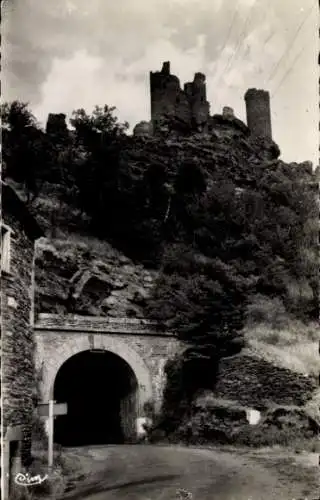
(160, 168)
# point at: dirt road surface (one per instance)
(146, 472)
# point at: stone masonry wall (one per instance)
(188, 107)
(18, 375)
(258, 112)
(136, 340)
(257, 383)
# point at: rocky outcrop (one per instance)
(253, 402)
(211, 419)
(83, 278)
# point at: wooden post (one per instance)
(50, 410)
(50, 435)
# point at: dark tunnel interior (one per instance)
(92, 383)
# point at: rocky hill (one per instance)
(76, 272)
(106, 268)
(87, 276)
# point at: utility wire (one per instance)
(242, 36)
(287, 73)
(227, 40)
(230, 28)
(269, 37)
(291, 43)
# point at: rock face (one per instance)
(226, 421)
(246, 385)
(213, 420)
(74, 277)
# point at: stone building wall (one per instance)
(188, 107)
(258, 112)
(254, 382)
(18, 374)
(56, 124)
(196, 94)
(138, 342)
(188, 110)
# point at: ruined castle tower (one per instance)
(164, 90)
(196, 93)
(227, 112)
(56, 124)
(188, 108)
(258, 112)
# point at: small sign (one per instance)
(58, 409)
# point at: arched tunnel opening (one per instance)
(100, 390)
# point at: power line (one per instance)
(227, 39)
(269, 37)
(225, 44)
(287, 73)
(242, 36)
(230, 28)
(291, 43)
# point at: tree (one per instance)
(230, 247)
(100, 135)
(97, 129)
(24, 146)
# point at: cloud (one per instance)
(68, 54)
(88, 80)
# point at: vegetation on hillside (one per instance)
(225, 222)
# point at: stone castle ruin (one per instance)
(189, 106)
(188, 111)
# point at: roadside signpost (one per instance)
(50, 410)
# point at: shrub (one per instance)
(270, 311)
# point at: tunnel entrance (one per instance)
(100, 389)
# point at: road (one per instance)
(157, 472)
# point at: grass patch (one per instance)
(294, 332)
(294, 346)
(300, 358)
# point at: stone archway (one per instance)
(132, 404)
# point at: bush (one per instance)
(270, 311)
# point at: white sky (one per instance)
(61, 55)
